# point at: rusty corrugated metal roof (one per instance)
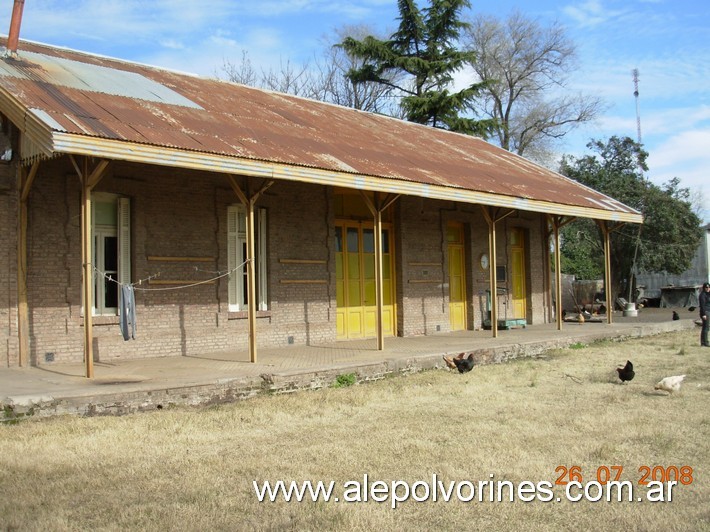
(78, 94)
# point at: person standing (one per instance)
(704, 303)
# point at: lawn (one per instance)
(526, 424)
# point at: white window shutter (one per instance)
(261, 258)
(124, 240)
(233, 251)
(236, 240)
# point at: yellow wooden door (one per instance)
(356, 312)
(457, 276)
(517, 274)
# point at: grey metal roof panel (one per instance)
(66, 72)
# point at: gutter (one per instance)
(171, 157)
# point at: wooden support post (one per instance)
(89, 178)
(377, 208)
(24, 185)
(607, 272)
(251, 280)
(558, 274)
(88, 278)
(379, 298)
(550, 279)
(249, 202)
(493, 217)
(606, 230)
(558, 222)
(493, 276)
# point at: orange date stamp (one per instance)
(605, 474)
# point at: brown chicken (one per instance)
(450, 360)
(459, 362)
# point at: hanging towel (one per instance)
(127, 309)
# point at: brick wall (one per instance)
(184, 214)
(173, 214)
(8, 267)
(423, 264)
(422, 286)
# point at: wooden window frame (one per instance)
(236, 255)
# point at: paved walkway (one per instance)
(126, 386)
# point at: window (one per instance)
(111, 231)
(501, 274)
(237, 254)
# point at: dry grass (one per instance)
(192, 469)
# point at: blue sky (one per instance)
(667, 40)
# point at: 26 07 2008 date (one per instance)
(658, 473)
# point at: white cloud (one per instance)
(188, 35)
(657, 124)
(685, 148)
(172, 44)
(685, 156)
(591, 13)
(675, 120)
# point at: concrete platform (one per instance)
(122, 387)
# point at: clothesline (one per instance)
(136, 285)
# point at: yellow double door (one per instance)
(356, 314)
(457, 276)
(518, 298)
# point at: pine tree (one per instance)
(424, 49)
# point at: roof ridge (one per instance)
(3, 38)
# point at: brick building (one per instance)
(115, 174)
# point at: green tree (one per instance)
(671, 231)
(419, 61)
(582, 251)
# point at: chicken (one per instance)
(580, 318)
(450, 361)
(691, 309)
(464, 364)
(675, 316)
(627, 372)
(670, 384)
(459, 362)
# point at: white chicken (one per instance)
(670, 384)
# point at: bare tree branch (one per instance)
(527, 66)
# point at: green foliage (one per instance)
(10, 416)
(424, 50)
(582, 253)
(671, 231)
(345, 380)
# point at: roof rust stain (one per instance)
(217, 117)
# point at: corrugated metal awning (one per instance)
(68, 102)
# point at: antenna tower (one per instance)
(632, 276)
(635, 73)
